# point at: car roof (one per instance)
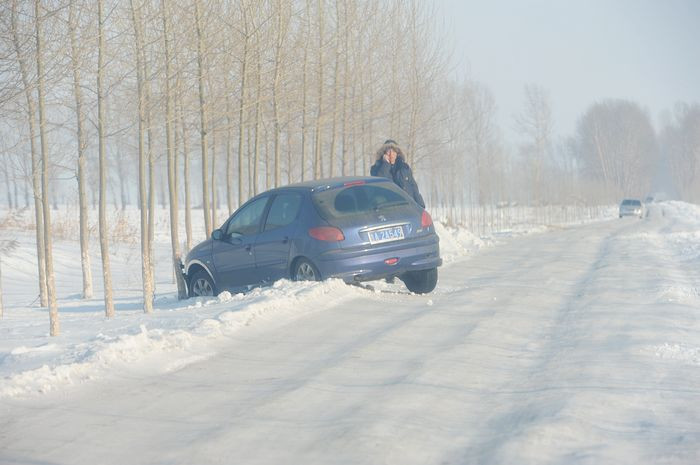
(317, 185)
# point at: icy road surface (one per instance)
(575, 346)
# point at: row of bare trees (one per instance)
(680, 145)
(205, 103)
(254, 94)
(616, 145)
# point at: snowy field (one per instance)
(575, 344)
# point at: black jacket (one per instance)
(401, 174)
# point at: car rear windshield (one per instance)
(358, 200)
(631, 202)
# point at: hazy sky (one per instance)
(580, 51)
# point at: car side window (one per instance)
(247, 220)
(283, 211)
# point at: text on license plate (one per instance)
(394, 233)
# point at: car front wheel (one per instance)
(420, 282)
(201, 285)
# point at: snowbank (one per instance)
(168, 345)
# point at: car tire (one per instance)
(420, 282)
(201, 285)
(304, 270)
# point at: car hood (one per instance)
(199, 250)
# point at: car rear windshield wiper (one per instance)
(390, 204)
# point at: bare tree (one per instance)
(304, 87)
(246, 34)
(229, 154)
(172, 172)
(6, 248)
(318, 167)
(478, 109)
(214, 198)
(186, 175)
(349, 18)
(680, 141)
(334, 87)
(146, 275)
(35, 168)
(55, 328)
(82, 155)
(8, 185)
(282, 14)
(202, 115)
(258, 119)
(616, 145)
(104, 237)
(535, 123)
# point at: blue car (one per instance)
(353, 228)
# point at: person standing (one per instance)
(391, 164)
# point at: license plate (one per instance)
(378, 236)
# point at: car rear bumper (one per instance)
(367, 263)
(630, 213)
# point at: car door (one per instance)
(233, 255)
(273, 243)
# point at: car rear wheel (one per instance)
(201, 285)
(420, 282)
(304, 270)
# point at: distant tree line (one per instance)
(201, 104)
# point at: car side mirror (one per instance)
(217, 234)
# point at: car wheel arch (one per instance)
(195, 267)
(295, 261)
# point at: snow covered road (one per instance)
(579, 345)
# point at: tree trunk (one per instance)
(55, 328)
(146, 276)
(172, 172)
(346, 71)
(258, 120)
(334, 99)
(9, 190)
(0, 288)
(241, 109)
(186, 182)
(104, 238)
(318, 168)
(203, 118)
(6, 247)
(36, 173)
(82, 158)
(151, 173)
(214, 199)
(304, 90)
(279, 41)
(229, 156)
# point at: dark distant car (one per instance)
(649, 199)
(356, 229)
(631, 207)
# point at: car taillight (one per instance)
(327, 233)
(353, 183)
(425, 220)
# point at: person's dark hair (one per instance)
(390, 144)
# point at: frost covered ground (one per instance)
(577, 344)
